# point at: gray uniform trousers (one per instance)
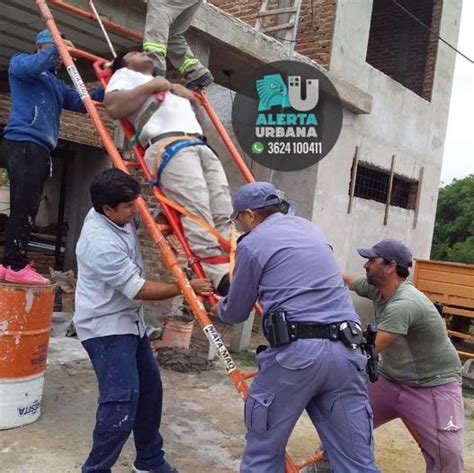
(166, 23)
(195, 179)
(328, 380)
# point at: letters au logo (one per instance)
(272, 91)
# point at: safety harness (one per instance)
(168, 148)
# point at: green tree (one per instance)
(453, 238)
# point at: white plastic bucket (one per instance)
(20, 401)
(4, 200)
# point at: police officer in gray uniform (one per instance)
(314, 361)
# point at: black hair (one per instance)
(265, 212)
(402, 272)
(112, 188)
(119, 62)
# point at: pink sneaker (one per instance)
(3, 270)
(27, 275)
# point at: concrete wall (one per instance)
(401, 123)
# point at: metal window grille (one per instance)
(371, 184)
(404, 193)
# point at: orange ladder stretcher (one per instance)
(170, 209)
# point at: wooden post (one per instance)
(355, 163)
(418, 195)
(389, 193)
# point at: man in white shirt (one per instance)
(189, 172)
(110, 291)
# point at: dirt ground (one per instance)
(202, 424)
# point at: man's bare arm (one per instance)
(122, 103)
(159, 291)
(384, 340)
(349, 280)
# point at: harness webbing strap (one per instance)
(170, 203)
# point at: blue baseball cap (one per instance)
(254, 196)
(44, 37)
(391, 250)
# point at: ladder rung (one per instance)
(285, 26)
(132, 164)
(277, 11)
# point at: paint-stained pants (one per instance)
(166, 23)
(195, 179)
(436, 414)
(130, 398)
(28, 166)
(328, 380)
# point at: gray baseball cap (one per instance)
(392, 250)
(254, 196)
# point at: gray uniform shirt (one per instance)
(287, 263)
(110, 274)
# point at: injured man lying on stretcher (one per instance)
(187, 170)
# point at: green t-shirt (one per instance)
(423, 355)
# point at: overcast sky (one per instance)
(458, 159)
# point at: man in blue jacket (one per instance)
(314, 361)
(38, 98)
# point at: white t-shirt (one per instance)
(174, 114)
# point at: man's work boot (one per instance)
(198, 78)
(319, 467)
(165, 468)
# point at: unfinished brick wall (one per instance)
(315, 28)
(402, 48)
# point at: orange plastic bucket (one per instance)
(177, 333)
(25, 324)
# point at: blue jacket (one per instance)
(38, 98)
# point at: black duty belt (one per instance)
(309, 330)
(279, 331)
(174, 133)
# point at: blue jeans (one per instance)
(130, 398)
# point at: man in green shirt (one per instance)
(420, 369)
